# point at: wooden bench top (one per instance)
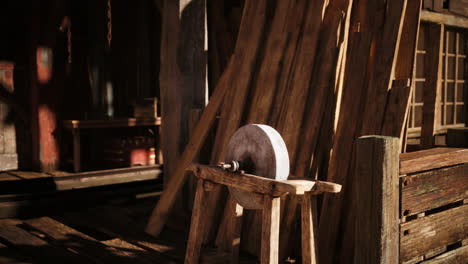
(262, 185)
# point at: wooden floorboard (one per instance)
(106, 233)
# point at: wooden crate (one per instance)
(429, 189)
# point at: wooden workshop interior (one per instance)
(234, 131)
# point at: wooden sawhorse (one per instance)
(270, 192)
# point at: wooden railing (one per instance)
(418, 207)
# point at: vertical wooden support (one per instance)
(308, 223)
(192, 255)
(377, 196)
(183, 74)
(236, 233)
(270, 230)
(432, 85)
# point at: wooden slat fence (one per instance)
(432, 197)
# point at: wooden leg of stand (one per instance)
(307, 223)
(236, 233)
(192, 255)
(270, 230)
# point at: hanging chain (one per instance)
(109, 23)
(69, 43)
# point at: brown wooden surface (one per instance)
(399, 95)
(183, 65)
(31, 245)
(242, 71)
(377, 199)
(457, 256)
(430, 159)
(444, 228)
(270, 230)
(370, 76)
(125, 122)
(428, 190)
(175, 183)
(79, 242)
(432, 86)
(459, 7)
(457, 137)
(447, 19)
(195, 240)
(260, 184)
(308, 229)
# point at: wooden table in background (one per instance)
(77, 125)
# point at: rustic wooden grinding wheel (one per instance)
(256, 172)
(258, 150)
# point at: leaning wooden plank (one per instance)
(276, 64)
(241, 73)
(432, 189)
(63, 235)
(441, 229)
(430, 159)
(35, 247)
(377, 195)
(183, 74)
(457, 256)
(163, 208)
(396, 110)
(432, 85)
(367, 33)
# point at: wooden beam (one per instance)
(258, 184)
(182, 76)
(447, 227)
(432, 189)
(195, 239)
(446, 19)
(432, 159)
(243, 60)
(432, 85)
(377, 194)
(270, 230)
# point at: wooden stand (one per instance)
(270, 192)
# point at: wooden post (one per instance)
(308, 225)
(192, 254)
(182, 76)
(377, 198)
(432, 88)
(270, 230)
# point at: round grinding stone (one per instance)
(261, 151)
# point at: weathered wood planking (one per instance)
(11, 256)
(396, 110)
(432, 85)
(183, 74)
(424, 234)
(240, 74)
(36, 247)
(376, 194)
(430, 159)
(459, 7)
(457, 137)
(85, 245)
(428, 190)
(457, 256)
(365, 71)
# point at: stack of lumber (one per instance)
(322, 73)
